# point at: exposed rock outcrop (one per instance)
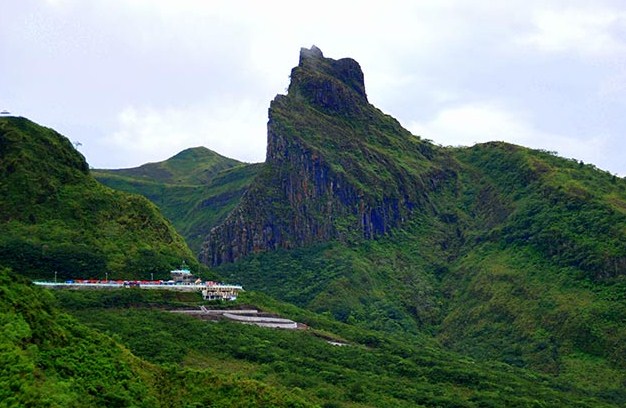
(336, 167)
(336, 86)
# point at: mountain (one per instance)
(335, 167)
(194, 166)
(194, 189)
(500, 252)
(57, 219)
(506, 260)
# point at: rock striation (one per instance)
(336, 168)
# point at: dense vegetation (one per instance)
(336, 168)
(49, 359)
(195, 189)
(373, 370)
(486, 276)
(55, 217)
(540, 280)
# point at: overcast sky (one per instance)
(139, 80)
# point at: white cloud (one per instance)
(467, 124)
(230, 128)
(587, 31)
(472, 123)
(555, 68)
(613, 85)
(57, 3)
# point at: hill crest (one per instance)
(56, 217)
(196, 165)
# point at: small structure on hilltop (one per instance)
(183, 275)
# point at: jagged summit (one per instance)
(335, 167)
(312, 53)
(336, 86)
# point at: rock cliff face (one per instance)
(336, 167)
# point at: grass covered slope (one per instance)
(49, 359)
(195, 189)
(374, 370)
(193, 166)
(573, 214)
(540, 280)
(56, 217)
(521, 263)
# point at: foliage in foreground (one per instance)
(374, 370)
(49, 359)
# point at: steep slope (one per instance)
(55, 217)
(336, 168)
(500, 251)
(541, 281)
(194, 189)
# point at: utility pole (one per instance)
(55, 276)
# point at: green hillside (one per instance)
(499, 252)
(373, 370)
(540, 279)
(195, 189)
(49, 359)
(194, 166)
(55, 217)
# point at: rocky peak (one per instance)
(310, 54)
(336, 86)
(336, 168)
